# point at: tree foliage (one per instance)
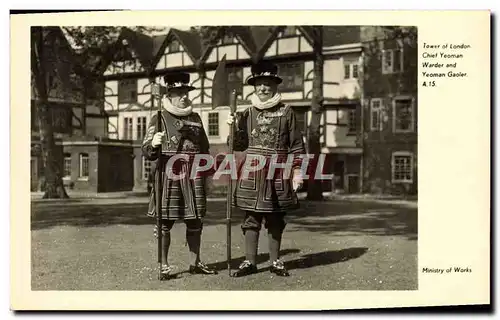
(98, 43)
(402, 32)
(210, 35)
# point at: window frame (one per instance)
(209, 133)
(354, 66)
(291, 66)
(81, 158)
(394, 114)
(146, 173)
(176, 50)
(128, 128)
(349, 67)
(67, 156)
(379, 112)
(352, 130)
(390, 69)
(141, 127)
(393, 166)
(127, 84)
(347, 71)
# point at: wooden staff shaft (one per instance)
(158, 183)
(230, 181)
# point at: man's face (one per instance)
(265, 88)
(179, 97)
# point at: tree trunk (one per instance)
(54, 187)
(314, 187)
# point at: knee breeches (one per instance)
(193, 226)
(273, 221)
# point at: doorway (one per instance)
(352, 183)
(338, 172)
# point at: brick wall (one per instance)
(378, 170)
(75, 181)
(379, 145)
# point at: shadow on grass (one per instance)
(351, 218)
(101, 215)
(322, 258)
(235, 262)
(303, 262)
(325, 258)
(89, 215)
(338, 217)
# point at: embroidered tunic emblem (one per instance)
(266, 133)
(178, 124)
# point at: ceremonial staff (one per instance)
(229, 208)
(221, 97)
(157, 93)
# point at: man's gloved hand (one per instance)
(158, 139)
(297, 179)
(230, 119)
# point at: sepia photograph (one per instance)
(281, 157)
(250, 160)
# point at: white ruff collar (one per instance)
(176, 110)
(267, 104)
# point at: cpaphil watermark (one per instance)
(229, 160)
(286, 166)
(253, 163)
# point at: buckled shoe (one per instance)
(246, 268)
(201, 268)
(279, 269)
(166, 272)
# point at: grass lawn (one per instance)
(334, 245)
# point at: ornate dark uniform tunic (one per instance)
(183, 198)
(267, 133)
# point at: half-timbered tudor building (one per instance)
(368, 129)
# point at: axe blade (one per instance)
(220, 93)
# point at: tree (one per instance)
(90, 44)
(314, 187)
(40, 42)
